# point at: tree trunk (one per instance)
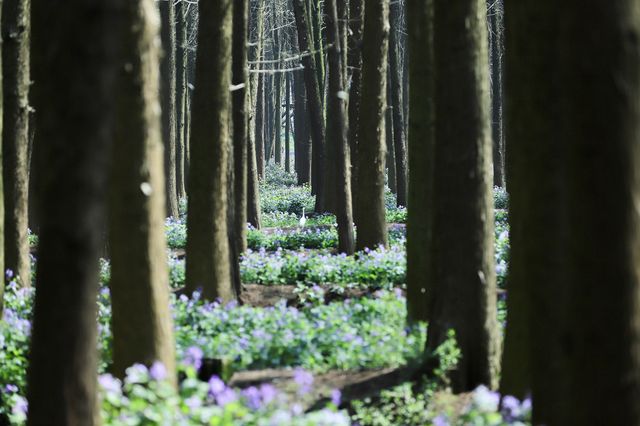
(337, 131)
(207, 266)
(600, 72)
(537, 215)
(391, 157)
(496, 51)
(287, 123)
(259, 134)
(301, 130)
(399, 140)
(74, 65)
(316, 121)
(356, 27)
(139, 282)
(2, 190)
(421, 161)
(15, 136)
(181, 101)
(372, 227)
(463, 297)
(240, 81)
(168, 102)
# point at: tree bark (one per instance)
(463, 297)
(356, 27)
(301, 130)
(141, 321)
(181, 96)
(15, 136)
(600, 71)
(399, 139)
(2, 188)
(207, 265)
(337, 131)
(421, 158)
(496, 51)
(259, 133)
(372, 227)
(287, 123)
(168, 99)
(316, 121)
(74, 65)
(391, 157)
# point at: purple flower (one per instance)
(158, 371)
(268, 392)
(11, 388)
(336, 397)
(441, 420)
(304, 380)
(137, 373)
(109, 383)
(9, 274)
(225, 397)
(20, 407)
(193, 357)
(193, 402)
(253, 397)
(486, 400)
(216, 386)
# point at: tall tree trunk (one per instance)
(316, 121)
(259, 133)
(356, 27)
(287, 123)
(537, 215)
(399, 139)
(15, 136)
(303, 139)
(372, 227)
(496, 50)
(337, 131)
(2, 190)
(463, 297)
(276, 145)
(391, 157)
(181, 101)
(207, 266)
(168, 102)
(253, 194)
(141, 320)
(600, 71)
(240, 81)
(74, 65)
(421, 161)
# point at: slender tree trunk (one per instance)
(302, 130)
(2, 188)
(463, 297)
(287, 123)
(181, 102)
(356, 27)
(391, 155)
(253, 194)
(168, 102)
(259, 135)
(74, 65)
(316, 121)
(421, 161)
(207, 265)
(139, 282)
(537, 215)
(601, 76)
(372, 227)
(337, 130)
(399, 139)
(15, 136)
(496, 38)
(277, 113)
(240, 80)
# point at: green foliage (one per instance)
(310, 238)
(276, 176)
(276, 219)
(500, 198)
(288, 199)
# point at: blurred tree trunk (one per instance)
(74, 64)
(16, 26)
(2, 279)
(337, 131)
(372, 227)
(537, 215)
(139, 282)
(421, 161)
(391, 155)
(208, 254)
(463, 295)
(260, 127)
(287, 123)
(301, 130)
(168, 102)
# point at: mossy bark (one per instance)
(141, 321)
(208, 261)
(16, 27)
(463, 295)
(372, 227)
(74, 65)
